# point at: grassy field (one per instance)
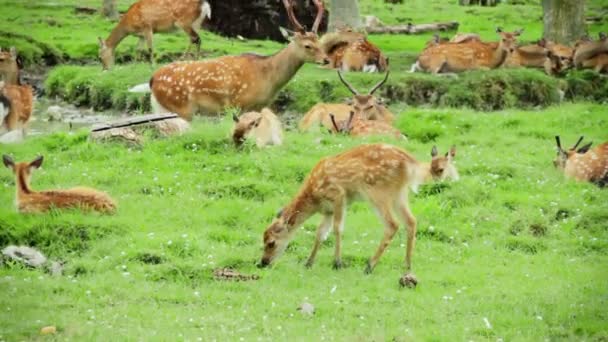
(512, 242)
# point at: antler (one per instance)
(348, 85)
(349, 125)
(377, 86)
(292, 17)
(333, 121)
(578, 142)
(559, 143)
(320, 11)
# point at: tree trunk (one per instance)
(343, 13)
(109, 9)
(564, 20)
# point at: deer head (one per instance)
(508, 40)
(366, 106)
(243, 127)
(22, 169)
(307, 45)
(106, 54)
(563, 155)
(276, 239)
(10, 64)
(442, 167)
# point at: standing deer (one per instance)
(470, 55)
(366, 106)
(16, 98)
(263, 126)
(145, 17)
(583, 164)
(358, 127)
(29, 201)
(382, 174)
(248, 81)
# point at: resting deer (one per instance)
(366, 106)
(358, 127)
(583, 164)
(145, 17)
(351, 51)
(585, 50)
(248, 81)
(16, 98)
(458, 57)
(382, 174)
(263, 126)
(29, 201)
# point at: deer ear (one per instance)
(8, 161)
(287, 34)
(542, 42)
(36, 163)
(452, 152)
(434, 152)
(585, 148)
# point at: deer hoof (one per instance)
(369, 268)
(408, 280)
(309, 263)
(337, 264)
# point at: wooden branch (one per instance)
(415, 29)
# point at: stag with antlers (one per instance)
(583, 164)
(248, 81)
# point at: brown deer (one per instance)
(382, 174)
(366, 106)
(357, 127)
(599, 63)
(16, 98)
(585, 49)
(458, 57)
(265, 127)
(146, 17)
(349, 50)
(248, 81)
(29, 201)
(584, 164)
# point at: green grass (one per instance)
(512, 242)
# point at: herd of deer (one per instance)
(380, 173)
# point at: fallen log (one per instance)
(130, 129)
(410, 28)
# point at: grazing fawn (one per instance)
(457, 57)
(29, 201)
(584, 164)
(248, 81)
(145, 17)
(351, 51)
(366, 106)
(382, 174)
(16, 98)
(265, 127)
(358, 127)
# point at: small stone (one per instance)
(306, 308)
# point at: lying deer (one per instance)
(145, 17)
(248, 81)
(366, 106)
(29, 201)
(382, 174)
(349, 50)
(458, 57)
(16, 98)
(265, 127)
(358, 127)
(585, 50)
(584, 164)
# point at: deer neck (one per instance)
(499, 56)
(11, 76)
(421, 173)
(283, 66)
(116, 36)
(23, 186)
(299, 210)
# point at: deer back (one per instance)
(589, 166)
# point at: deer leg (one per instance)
(408, 279)
(322, 232)
(339, 213)
(148, 37)
(390, 228)
(195, 39)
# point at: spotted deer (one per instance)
(349, 50)
(583, 164)
(366, 106)
(585, 49)
(30, 201)
(561, 56)
(146, 17)
(380, 173)
(265, 127)
(471, 55)
(357, 127)
(248, 82)
(16, 98)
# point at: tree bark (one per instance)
(344, 13)
(109, 9)
(564, 20)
